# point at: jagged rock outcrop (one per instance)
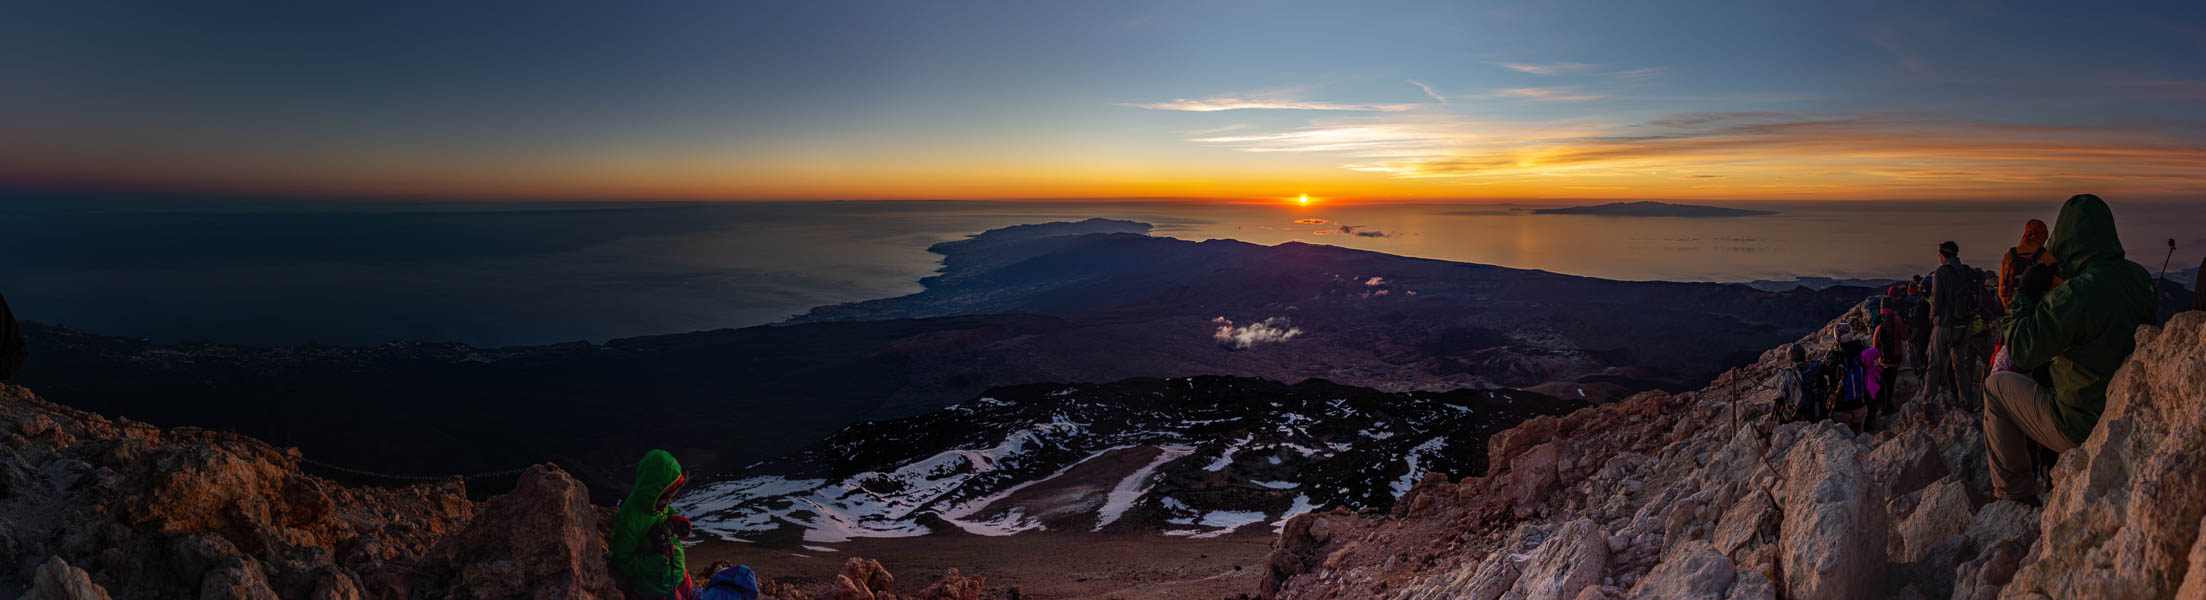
(540, 540)
(2124, 517)
(92, 507)
(1701, 495)
(187, 512)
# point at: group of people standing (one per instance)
(2050, 328)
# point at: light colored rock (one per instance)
(1746, 522)
(1906, 463)
(1942, 512)
(1693, 570)
(2125, 508)
(1575, 557)
(1831, 540)
(56, 580)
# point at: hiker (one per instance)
(12, 349)
(1845, 375)
(1889, 341)
(1918, 329)
(1801, 387)
(1952, 310)
(646, 547)
(2030, 251)
(2079, 332)
(2198, 287)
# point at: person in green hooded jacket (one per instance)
(2076, 334)
(646, 544)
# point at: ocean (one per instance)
(290, 271)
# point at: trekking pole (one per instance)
(2164, 265)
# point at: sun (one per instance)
(1305, 199)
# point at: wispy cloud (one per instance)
(1749, 149)
(1638, 75)
(1220, 103)
(1429, 91)
(1557, 94)
(1546, 69)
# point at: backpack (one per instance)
(2016, 264)
(732, 583)
(1801, 393)
(1988, 305)
(1853, 386)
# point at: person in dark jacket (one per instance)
(1952, 309)
(2079, 331)
(13, 350)
(2198, 287)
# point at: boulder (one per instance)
(861, 579)
(539, 540)
(2124, 512)
(1693, 570)
(56, 580)
(1831, 540)
(1746, 523)
(1906, 463)
(1531, 475)
(1942, 511)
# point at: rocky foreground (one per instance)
(92, 507)
(1698, 495)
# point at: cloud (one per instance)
(1362, 231)
(1640, 74)
(1755, 152)
(1275, 329)
(1222, 103)
(1375, 282)
(1558, 94)
(1546, 69)
(1429, 91)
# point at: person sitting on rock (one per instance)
(646, 546)
(2076, 333)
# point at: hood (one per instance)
(738, 578)
(657, 472)
(2084, 235)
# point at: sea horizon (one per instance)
(274, 271)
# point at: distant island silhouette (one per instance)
(1654, 209)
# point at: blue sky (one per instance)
(1070, 99)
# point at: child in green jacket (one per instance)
(646, 545)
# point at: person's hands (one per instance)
(679, 524)
(2037, 280)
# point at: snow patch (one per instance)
(1134, 486)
